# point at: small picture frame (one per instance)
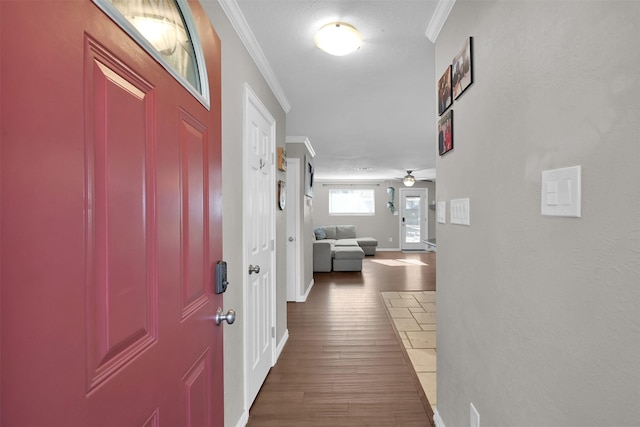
(308, 177)
(444, 91)
(282, 159)
(445, 133)
(462, 69)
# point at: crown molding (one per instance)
(301, 140)
(239, 23)
(440, 15)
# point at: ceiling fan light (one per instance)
(409, 180)
(338, 39)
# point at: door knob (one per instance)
(291, 239)
(230, 317)
(254, 269)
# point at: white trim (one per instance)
(239, 23)
(437, 419)
(303, 298)
(440, 15)
(302, 140)
(388, 250)
(281, 345)
(244, 419)
(293, 208)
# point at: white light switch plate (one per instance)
(442, 212)
(561, 192)
(460, 212)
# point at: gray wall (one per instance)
(539, 317)
(238, 68)
(383, 225)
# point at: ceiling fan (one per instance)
(409, 179)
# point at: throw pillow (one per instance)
(320, 233)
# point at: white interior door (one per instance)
(259, 216)
(413, 218)
(293, 231)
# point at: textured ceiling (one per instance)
(373, 109)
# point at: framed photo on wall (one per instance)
(444, 91)
(445, 133)
(308, 177)
(462, 69)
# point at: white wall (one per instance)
(539, 317)
(238, 68)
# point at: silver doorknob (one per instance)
(230, 317)
(291, 239)
(254, 269)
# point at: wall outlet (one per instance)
(391, 239)
(475, 417)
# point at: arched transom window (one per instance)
(165, 29)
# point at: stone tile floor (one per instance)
(414, 316)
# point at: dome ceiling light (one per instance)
(338, 38)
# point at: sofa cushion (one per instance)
(348, 252)
(367, 241)
(345, 231)
(330, 231)
(320, 233)
(346, 242)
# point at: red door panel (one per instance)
(194, 187)
(110, 224)
(120, 223)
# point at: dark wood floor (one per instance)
(344, 364)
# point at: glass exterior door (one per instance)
(413, 218)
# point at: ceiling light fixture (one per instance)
(409, 179)
(338, 38)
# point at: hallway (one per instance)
(344, 364)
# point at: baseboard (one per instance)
(244, 419)
(387, 249)
(281, 344)
(306, 294)
(437, 419)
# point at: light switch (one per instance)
(561, 192)
(552, 193)
(442, 212)
(460, 212)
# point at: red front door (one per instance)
(110, 225)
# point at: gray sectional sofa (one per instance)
(337, 248)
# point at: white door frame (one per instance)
(424, 226)
(294, 249)
(251, 100)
